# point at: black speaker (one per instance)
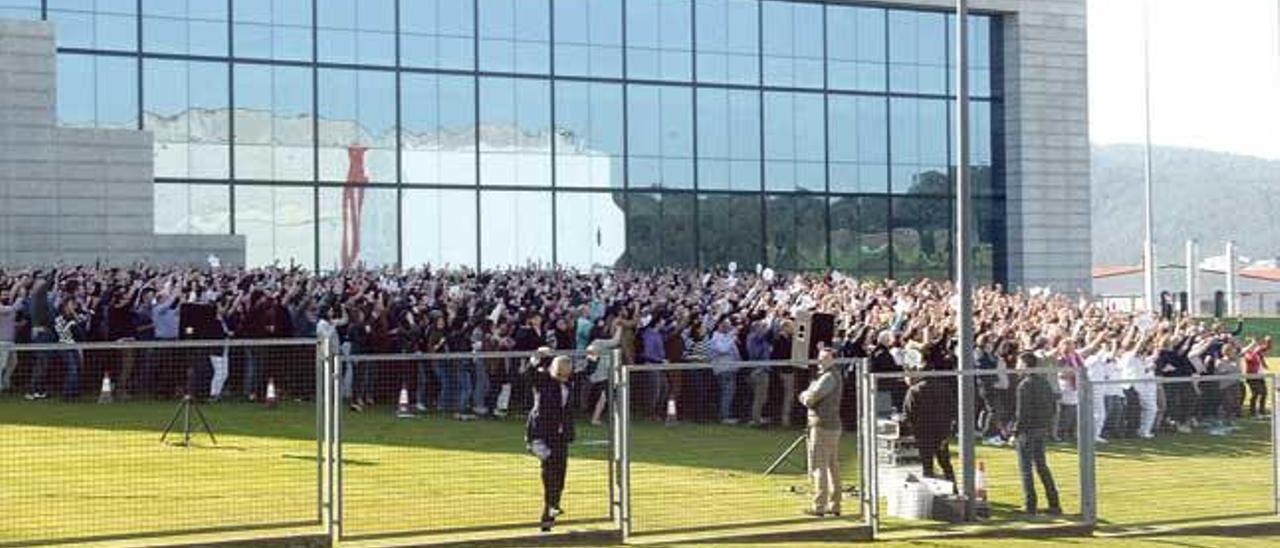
(813, 330)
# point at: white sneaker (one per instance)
(1099, 439)
(993, 440)
(1146, 435)
(420, 408)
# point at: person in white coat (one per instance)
(1138, 363)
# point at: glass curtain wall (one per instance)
(498, 133)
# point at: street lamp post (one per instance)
(963, 275)
(1149, 242)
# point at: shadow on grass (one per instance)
(239, 528)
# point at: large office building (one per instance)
(492, 133)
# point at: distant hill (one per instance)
(1210, 196)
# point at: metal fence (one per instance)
(720, 450)
(127, 440)
(432, 446)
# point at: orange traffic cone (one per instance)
(402, 408)
(271, 399)
(106, 395)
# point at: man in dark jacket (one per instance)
(550, 429)
(930, 409)
(1033, 420)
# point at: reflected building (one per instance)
(642, 133)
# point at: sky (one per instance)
(1215, 74)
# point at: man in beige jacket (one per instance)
(822, 398)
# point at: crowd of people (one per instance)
(726, 318)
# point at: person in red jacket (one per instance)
(1255, 362)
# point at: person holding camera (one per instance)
(1033, 419)
(549, 430)
(822, 398)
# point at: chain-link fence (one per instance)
(722, 449)
(133, 439)
(435, 444)
(1184, 451)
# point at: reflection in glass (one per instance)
(588, 39)
(97, 91)
(917, 52)
(729, 229)
(980, 72)
(661, 230)
(20, 9)
(272, 29)
(794, 142)
(437, 34)
(728, 37)
(988, 262)
(192, 209)
(590, 229)
(364, 34)
(438, 134)
(860, 236)
(855, 48)
(357, 125)
(439, 228)
(515, 228)
(273, 137)
(515, 36)
(278, 224)
(96, 24)
(186, 111)
(858, 152)
(357, 226)
(728, 139)
(660, 137)
(792, 44)
(796, 232)
(918, 129)
(921, 237)
(589, 135)
(195, 27)
(659, 39)
(515, 132)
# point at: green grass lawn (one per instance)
(87, 470)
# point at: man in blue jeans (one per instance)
(1033, 420)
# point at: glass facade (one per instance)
(492, 133)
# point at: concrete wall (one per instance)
(1046, 96)
(75, 195)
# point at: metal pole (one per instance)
(964, 281)
(624, 403)
(1086, 449)
(1275, 441)
(1230, 278)
(1149, 242)
(872, 456)
(1193, 280)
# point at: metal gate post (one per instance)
(335, 450)
(871, 453)
(1275, 441)
(624, 404)
(1086, 450)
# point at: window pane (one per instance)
(661, 230)
(988, 257)
(278, 224)
(728, 139)
(981, 155)
(794, 142)
(357, 227)
(792, 44)
(272, 29)
(660, 39)
(186, 110)
(588, 37)
(660, 137)
(437, 34)
(728, 33)
(860, 236)
(921, 238)
(192, 209)
(856, 49)
(20, 9)
(917, 52)
(859, 147)
(919, 145)
(515, 139)
(588, 135)
(346, 33)
(196, 27)
(97, 91)
(590, 229)
(729, 229)
(438, 140)
(273, 123)
(96, 24)
(980, 29)
(439, 228)
(515, 228)
(797, 232)
(515, 36)
(357, 126)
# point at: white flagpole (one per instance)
(964, 274)
(1149, 242)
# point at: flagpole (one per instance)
(1149, 243)
(964, 274)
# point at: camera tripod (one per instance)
(185, 407)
